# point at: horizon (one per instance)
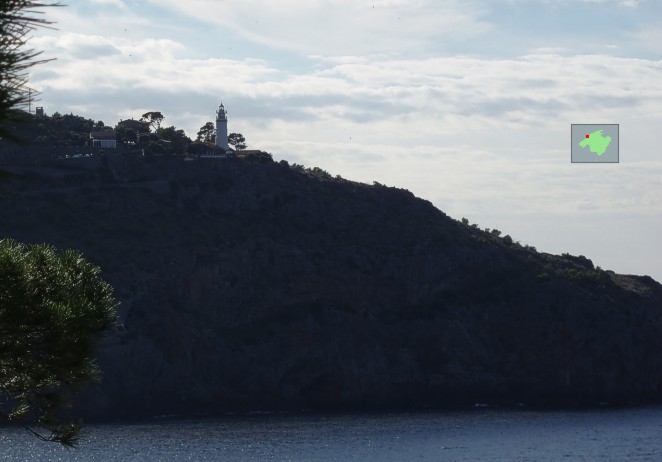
(466, 104)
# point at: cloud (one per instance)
(76, 46)
(118, 3)
(628, 3)
(341, 26)
(647, 39)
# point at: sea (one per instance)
(479, 434)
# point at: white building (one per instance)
(222, 128)
(104, 139)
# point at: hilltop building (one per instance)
(221, 148)
(104, 139)
(222, 128)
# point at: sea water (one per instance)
(472, 435)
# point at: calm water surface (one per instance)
(484, 434)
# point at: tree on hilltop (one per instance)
(126, 135)
(153, 118)
(237, 140)
(207, 133)
(177, 138)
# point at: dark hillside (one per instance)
(248, 285)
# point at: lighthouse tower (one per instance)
(222, 127)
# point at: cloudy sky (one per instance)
(466, 103)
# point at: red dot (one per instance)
(586, 136)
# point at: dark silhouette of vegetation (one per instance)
(153, 118)
(72, 131)
(129, 131)
(53, 309)
(59, 130)
(154, 148)
(207, 133)
(175, 138)
(197, 148)
(237, 140)
(260, 157)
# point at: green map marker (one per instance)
(596, 142)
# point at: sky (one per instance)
(466, 103)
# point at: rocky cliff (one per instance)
(248, 285)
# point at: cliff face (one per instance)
(257, 286)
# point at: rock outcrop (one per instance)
(249, 286)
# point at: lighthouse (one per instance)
(222, 128)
